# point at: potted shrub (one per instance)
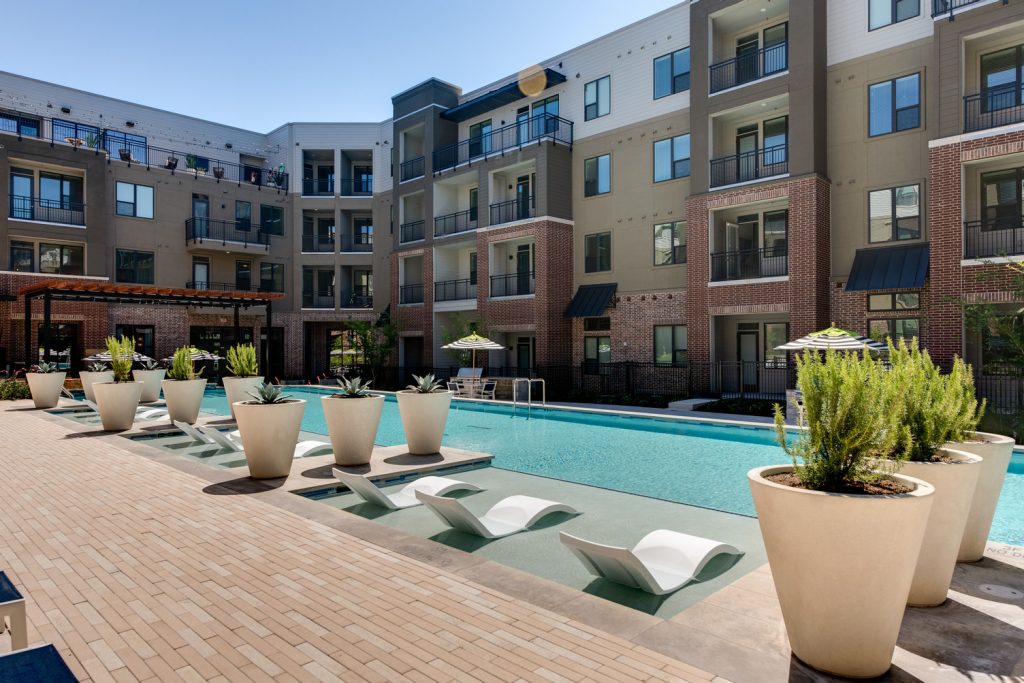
(45, 383)
(150, 375)
(842, 536)
(269, 428)
(118, 400)
(243, 365)
(424, 410)
(352, 417)
(183, 388)
(97, 372)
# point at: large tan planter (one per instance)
(118, 403)
(269, 433)
(995, 451)
(45, 387)
(150, 383)
(352, 425)
(423, 419)
(183, 398)
(842, 566)
(240, 389)
(89, 378)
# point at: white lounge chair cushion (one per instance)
(508, 516)
(406, 497)
(233, 441)
(143, 413)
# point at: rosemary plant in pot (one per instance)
(352, 417)
(97, 372)
(118, 400)
(45, 382)
(183, 388)
(423, 407)
(151, 374)
(269, 428)
(842, 536)
(242, 364)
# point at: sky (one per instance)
(259, 64)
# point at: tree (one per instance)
(375, 342)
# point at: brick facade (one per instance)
(633, 318)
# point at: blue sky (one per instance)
(259, 64)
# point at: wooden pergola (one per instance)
(107, 292)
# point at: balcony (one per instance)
(767, 162)
(748, 264)
(318, 243)
(318, 187)
(47, 210)
(454, 290)
(512, 210)
(747, 68)
(357, 187)
(321, 298)
(410, 232)
(992, 238)
(512, 136)
(412, 169)
(361, 297)
(209, 233)
(454, 223)
(410, 294)
(940, 7)
(993, 108)
(218, 286)
(351, 245)
(512, 284)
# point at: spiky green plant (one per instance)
(97, 366)
(268, 394)
(853, 414)
(150, 364)
(426, 384)
(352, 388)
(45, 368)
(182, 368)
(122, 355)
(242, 361)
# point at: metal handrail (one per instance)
(220, 286)
(413, 168)
(361, 298)
(198, 230)
(529, 393)
(47, 210)
(411, 232)
(513, 284)
(747, 68)
(454, 223)
(318, 299)
(517, 209)
(754, 165)
(317, 187)
(940, 7)
(318, 243)
(512, 136)
(991, 238)
(992, 108)
(743, 264)
(354, 187)
(454, 290)
(410, 294)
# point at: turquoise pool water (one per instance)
(685, 462)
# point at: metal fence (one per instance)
(746, 68)
(753, 165)
(413, 168)
(512, 136)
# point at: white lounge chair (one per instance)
(508, 516)
(233, 441)
(406, 498)
(142, 413)
(197, 435)
(662, 562)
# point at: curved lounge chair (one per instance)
(197, 435)
(233, 441)
(142, 413)
(662, 562)
(508, 516)
(406, 498)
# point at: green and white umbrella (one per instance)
(833, 338)
(474, 343)
(105, 357)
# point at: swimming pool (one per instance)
(681, 461)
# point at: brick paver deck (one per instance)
(135, 573)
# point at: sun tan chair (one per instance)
(303, 449)
(508, 516)
(406, 498)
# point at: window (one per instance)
(597, 175)
(362, 230)
(895, 214)
(1001, 199)
(243, 275)
(597, 100)
(23, 257)
(597, 351)
(597, 252)
(271, 277)
(672, 73)
(544, 114)
(1002, 75)
(60, 191)
(480, 138)
(597, 324)
(670, 344)
(134, 200)
(894, 105)
(775, 334)
(142, 335)
(885, 12)
(894, 302)
(672, 158)
(272, 219)
(243, 216)
(472, 267)
(62, 259)
(905, 328)
(134, 266)
(670, 243)
(474, 200)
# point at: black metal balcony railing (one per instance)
(512, 284)
(454, 290)
(754, 165)
(747, 68)
(357, 187)
(940, 7)
(318, 243)
(219, 286)
(513, 210)
(318, 299)
(454, 223)
(413, 168)
(351, 245)
(410, 294)
(200, 230)
(318, 187)
(512, 136)
(746, 264)
(47, 210)
(410, 232)
(993, 108)
(990, 238)
(361, 297)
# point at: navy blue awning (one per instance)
(900, 267)
(498, 97)
(591, 300)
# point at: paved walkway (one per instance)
(136, 573)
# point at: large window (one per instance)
(597, 351)
(672, 73)
(895, 213)
(480, 138)
(134, 200)
(61, 259)
(894, 105)
(362, 230)
(272, 219)
(23, 257)
(672, 158)
(1001, 200)
(670, 243)
(143, 336)
(670, 344)
(597, 98)
(597, 252)
(885, 12)
(271, 277)
(1002, 77)
(905, 301)
(243, 215)
(775, 334)
(597, 175)
(134, 266)
(897, 328)
(243, 275)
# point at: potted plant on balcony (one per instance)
(192, 165)
(118, 400)
(842, 536)
(171, 163)
(352, 417)
(151, 374)
(125, 154)
(183, 388)
(97, 372)
(92, 141)
(246, 380)
(218, 172)
(424, 410)
(269, 428)
(45, 383)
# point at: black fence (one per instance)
(513, 284)
(47, 210)
(940, 7)
(413, 168)
(357, 187)
(749, 263)
(411, 232)
(316, 187)
(318, 299)
(199, 230)
(517, 209)
(410, 294)
(995, 107)
(454, 290)
(753, 165)
(455, 223)
(512, 136)
(749, 67)
(989, 238)
(318, 243)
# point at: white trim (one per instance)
(346, 253)
(743, 85)
(409, 180)
(992, 260)
(51, 276)
(525, 221)
(976, 135)
(747, 182)
(418, 303)
(318, 196)
(63, 225)
(319, 309)
(455, 305)
(432, 104)
(517, 297)
(749, 281)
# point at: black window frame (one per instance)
(593, 366)
(894, 111)
(678, 243)
(894, 13)
(892, 305)
(360, 231)
(676, 81)
(135, 200)
(596, 104)
(598, 324)
(239, 284)
(276, 271)
(23, 246)
(890, 325)
(680, 357)
(599, 259)
(894, 219)
(134, 266)
(275, 225)
(676, 172)
(243, 223)
(139, 333)
(592, 186)
(61, 247)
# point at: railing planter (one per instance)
(172, 163)
(125, 154)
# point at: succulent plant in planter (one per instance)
(427, 384)
(183, 388)
(45, 368)
(269, 428)
(424, 407)
(242, 364)
(150, 374)
(352, 415)
(118, 400)
(45, 383)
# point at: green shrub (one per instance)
(13, 389)
(181, 365)
(242, 361)
(122, 354)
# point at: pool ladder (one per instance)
(528, 381)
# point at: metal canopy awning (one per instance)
(900, 267)
(498, 97)
(591, 300)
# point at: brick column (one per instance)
(945, 315)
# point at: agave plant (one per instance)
(45, 368)
(268, 394)
(352, 388)
(96, 366)
(427, 384)
(150, 364)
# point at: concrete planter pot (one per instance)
(269, 433)
(90, 378)
(118, 403)
(352, 425)
(183, 398)
(995, 451)
(423, 419)
(239, 389)
(45, 387)
(842, 566)
(150, 383)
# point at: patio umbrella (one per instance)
(833, 338)
(105, 357)
(474, 343)
(198, 355)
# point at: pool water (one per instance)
(681, 461)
